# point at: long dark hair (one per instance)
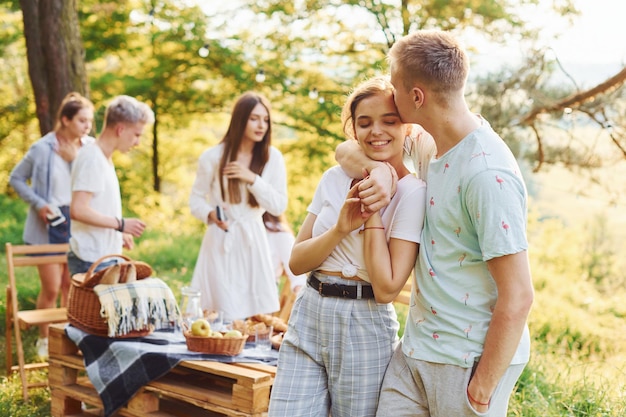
(232, 141)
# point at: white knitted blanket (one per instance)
(138, 305)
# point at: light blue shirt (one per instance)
(476, 211)
(37, 167)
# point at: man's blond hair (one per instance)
(432, 58)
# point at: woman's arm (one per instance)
(23, 172)
(388, 265)
(309, 252)
(270, 189)
(201, 187)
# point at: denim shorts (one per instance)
(78, 266)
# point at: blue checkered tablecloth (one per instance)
(118, 368)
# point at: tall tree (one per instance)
(56, 64)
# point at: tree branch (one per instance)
(540, 153)
(577, 99)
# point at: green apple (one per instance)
(216, 334)
(233, 333)
(201, 327)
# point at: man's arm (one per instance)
(515, 297)
(81, 210)
(377, 189)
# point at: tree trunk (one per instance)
(56, 60)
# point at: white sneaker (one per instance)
(42, 348)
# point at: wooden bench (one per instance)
(192, 388)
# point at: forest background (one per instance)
(190, 59)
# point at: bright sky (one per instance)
(596, 44)
(592, 49)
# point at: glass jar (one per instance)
(190, 308)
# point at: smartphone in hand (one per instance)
(221, 215)
(56, 218)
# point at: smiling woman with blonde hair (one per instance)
(343, 326)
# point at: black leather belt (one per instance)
(343, 291)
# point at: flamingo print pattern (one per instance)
(467, 330)
(454, 305)
(476, 155)
(465, 298)
(500, 181)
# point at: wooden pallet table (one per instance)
(192, 388)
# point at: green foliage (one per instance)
(11, 401)
(16, 103)
(12, 220)
(598, 258)
(104, 26)
(10, 32)
(172, 255)
(306, 161)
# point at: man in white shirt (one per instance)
(98, 228)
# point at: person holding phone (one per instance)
(47, 166)
(236, 182)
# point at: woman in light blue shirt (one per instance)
(42, 179)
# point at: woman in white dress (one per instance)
(244, 176)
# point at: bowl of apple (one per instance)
(201, 338)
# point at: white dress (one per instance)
(234, 270)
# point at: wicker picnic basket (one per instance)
(83, 310)
(229, 346)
